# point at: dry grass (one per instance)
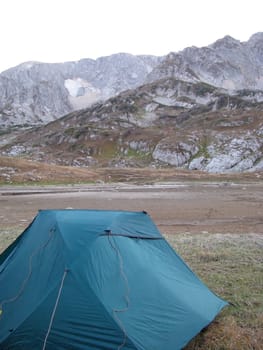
(19, 170)
(7, 236)
(232, 266)
(226, 334)
(15, 170)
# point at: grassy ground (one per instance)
(7, 236)
(232, 266)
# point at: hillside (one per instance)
(15, 171)
(166, 123)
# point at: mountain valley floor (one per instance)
(176, 207)
(215, 226)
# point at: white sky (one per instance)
(64, 30)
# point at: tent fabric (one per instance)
(95, 279)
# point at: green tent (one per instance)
(91, 279)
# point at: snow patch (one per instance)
(78, 87)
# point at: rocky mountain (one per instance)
(199, 109)
(35, 93)
(227, 63)
(166, 123)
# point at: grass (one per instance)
(7, 236)
(232, 266)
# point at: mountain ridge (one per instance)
(199, 109)
(36, 93)
(227, 63)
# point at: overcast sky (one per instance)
(64, 30)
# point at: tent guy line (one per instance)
(55, 308)
(23, 285)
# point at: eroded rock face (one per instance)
(228, 63)
(176, 154)
(37, 93)
(230, 155)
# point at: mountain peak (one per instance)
(227, 42)
(256, 38)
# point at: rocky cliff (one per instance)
(34, 93)
(227, 63)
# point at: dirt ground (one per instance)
(214, 207)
